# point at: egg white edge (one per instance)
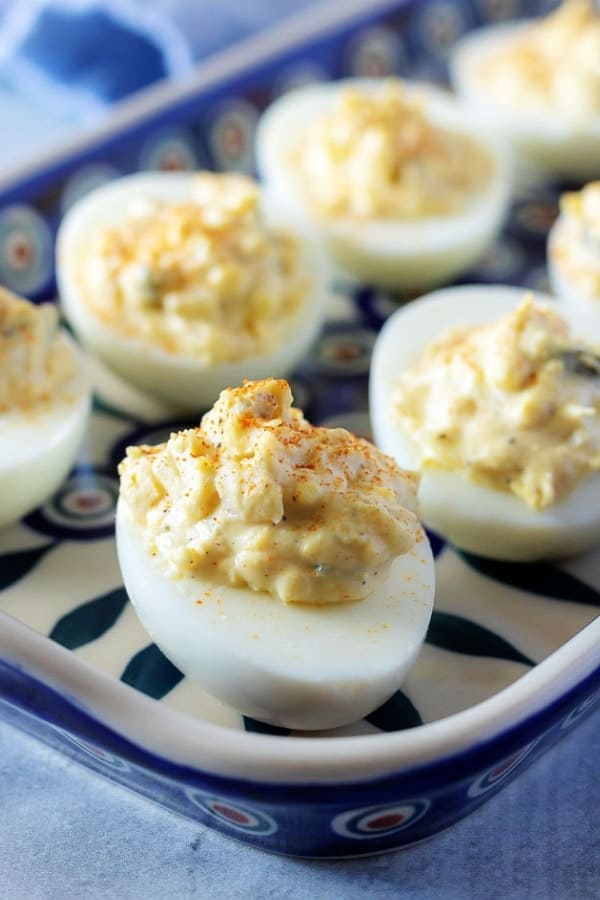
(286, 117)
(183, 740)
(413, 324)
(63, 423)
(275, 662)
(585, 308)
(466, 57)
(98, 207)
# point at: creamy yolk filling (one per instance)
(576, 250)
(205, 277)
(504, 404)
(377, 155)
(259, 498)
(34, 362)
(552, 65)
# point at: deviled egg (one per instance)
(493, 397)
(574, 256)
(44, 404)
(402, 187)
(538, 83)
(280, 564)
(184, 284)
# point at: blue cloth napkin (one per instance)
(80, 56)
(63, 63)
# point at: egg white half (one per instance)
(39, 446)
(586, 310)
(396, 254)
(301, 667)
(474, 517)
(558, 146)
(180, 382)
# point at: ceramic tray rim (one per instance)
(215, 71)
(184, 740)
(203, 745)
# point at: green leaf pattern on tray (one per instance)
(17, 564)
(538, 578)
(492, 621)
(151, 672)
(90, 620)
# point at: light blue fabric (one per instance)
(82, 55)
(69, 835)
(64, 62)
(79, 56)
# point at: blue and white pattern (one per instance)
(82, 509)
(344, 351)
(442, 22)
(489, 780)
(26, 249)
(297, 75)
(233, 815)
(231, 136)
(581, 710)
(376, 53)
(171, 150)
(98, 754)
(84, 180)
(58, 569)
(376, 821)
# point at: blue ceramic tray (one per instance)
(512, 658)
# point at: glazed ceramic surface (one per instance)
(512, 657)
